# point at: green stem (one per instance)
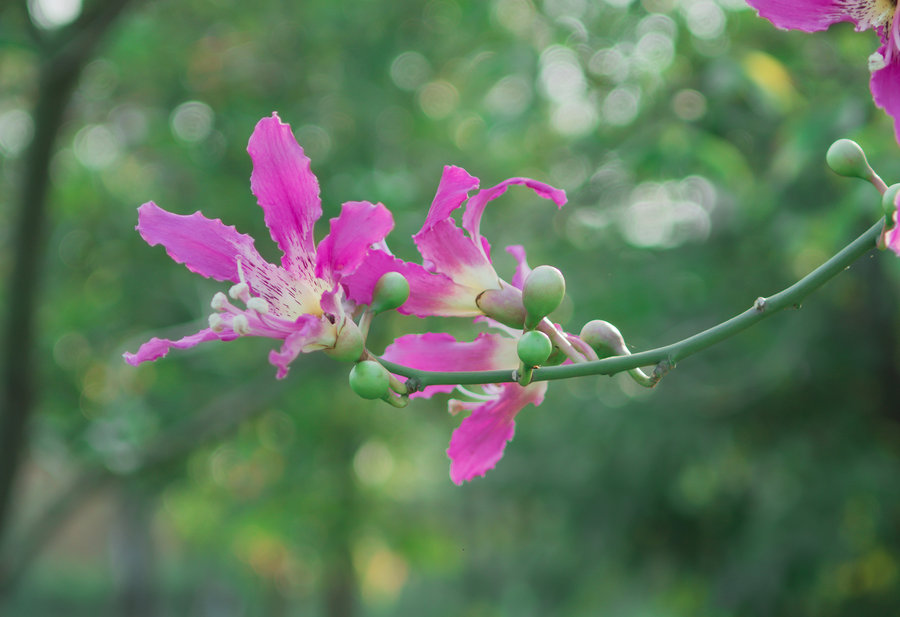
(364, 322)
(665, 357)
(524, 374)
(559, 340)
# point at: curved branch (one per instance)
(665, 357)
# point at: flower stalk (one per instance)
(663, 358)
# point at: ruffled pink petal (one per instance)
(429, 293)
(885, 86)
(312, 334)
(446, 249)
(212, 249)
(205, 246)
(808, 15)
(522, 267)
(287, 191)
(478, 443)
(434, 351)
(471, 220)
(157, 348)
(439, 351)
(452, 191)
(359, 226)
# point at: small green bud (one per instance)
(391, 291)
(889, 200)
(534, 348)
(604, 338)
(349, 344)
(369, 379)
(557, 357)
(542, 293)
(503, 305)
(846, 158)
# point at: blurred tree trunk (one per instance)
(340, 577)
(132, 554)
(62, 57)
(340, 583)
(214, 422)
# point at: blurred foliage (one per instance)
(756, 479)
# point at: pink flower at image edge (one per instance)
(877, 15)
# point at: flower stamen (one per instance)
(219, 301)
(477, 397)
(241, 292)
(216, 323)
(259, 305)
(877, 62)
(240, 324)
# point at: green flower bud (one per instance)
(557, 357)
(846, 158)
(369, 379)
(349, 344)
(542, 293)
(503, 305)
(889, 200)
(391, 291)
(604, 338)
(534, 348)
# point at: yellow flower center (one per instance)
(872, 13)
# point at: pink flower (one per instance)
(878, 15)
(452, 281)
(478, 442)
(456, 260)
(300, 302)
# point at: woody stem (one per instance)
(664, 358)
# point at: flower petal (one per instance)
(439, 351)
(312, 334)
(205, 246)
(471, 220)
(215, 250)
(446, 249)
(157, 348)
(333, 302)
(359, 226)
(434, 351)
(288, 296)
(452, 191)
(885, 86)
(809, 15)
(429, 293)
(287, 191)
(893, 236)
(522, 267)
(478, 443)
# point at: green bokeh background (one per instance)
(759, 478)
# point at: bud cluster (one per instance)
(368, 378)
